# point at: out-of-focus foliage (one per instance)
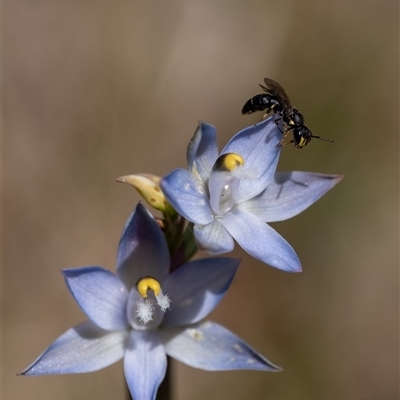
(93, 90)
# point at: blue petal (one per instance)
(257, 145)
(145, 364)
(202, 151)
(100, 294)
(211, 347)
(188, 196)
(213, 238)
(84, 348)
(290, 193)
(142, 249)
(196, 288)
(260, 240)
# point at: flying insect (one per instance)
(277, 101)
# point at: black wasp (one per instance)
(277, 101)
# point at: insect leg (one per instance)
(277, 125)
(281, 142)
(263, 117)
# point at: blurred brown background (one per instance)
(98, 89)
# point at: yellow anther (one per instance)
(148, 283)
(229, 162)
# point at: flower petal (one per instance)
(290, 193)
(145, 364)
(142, 249)
(260, 240)
(257, 145)
(213, 238)
(188, 196)
(196, 288)
(211, 347)
(202, 151)
(83, 348)
(100, 294)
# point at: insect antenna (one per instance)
(322, 138)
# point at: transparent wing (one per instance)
(275, 89)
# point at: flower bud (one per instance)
(148, 187)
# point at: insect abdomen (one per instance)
(259, 102)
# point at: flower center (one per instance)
(147, 303)
(228, 162)
(148, 283)
(224, 182)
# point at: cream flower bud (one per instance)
(148, 187)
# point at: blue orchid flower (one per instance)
(232, 195)
(143, 313)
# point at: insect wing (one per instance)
(275, 89)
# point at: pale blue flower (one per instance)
(234, 201)
(115, 330)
